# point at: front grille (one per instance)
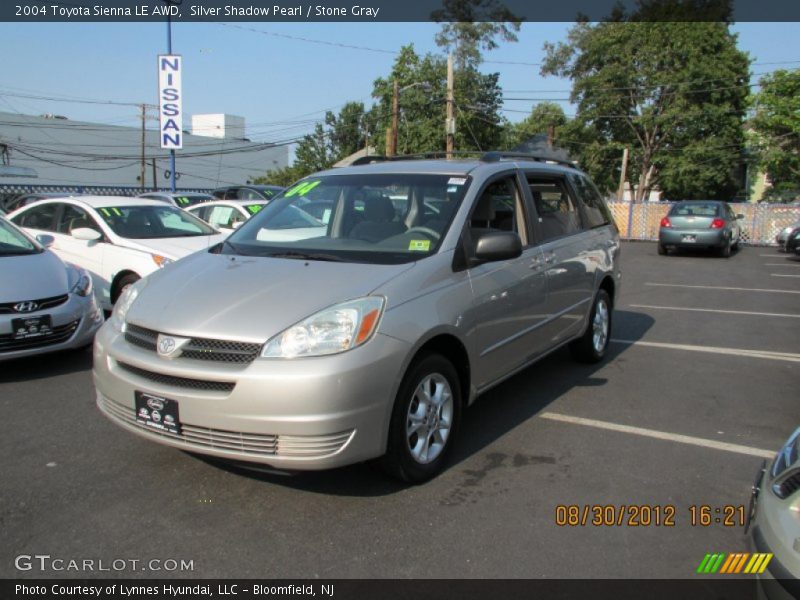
(256, 444)
(197, 348)
(43, 304)
(182, 382)
(60, 334)
(788, 486)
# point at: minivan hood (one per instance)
(249, 298)
(32, 277)
(173, 248)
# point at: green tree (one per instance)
(542, 117)
(470, 26)
(777, 127)
(675, 93)
(346, 130)
(423, 83)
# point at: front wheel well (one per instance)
(115, 283)
(608, 285)
(453, 350)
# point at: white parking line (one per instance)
(776, 255)
(715, 310)
(660, 435)
(783, 275)
(766, 354)
(712, 287)
(796, 265)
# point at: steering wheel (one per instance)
(426, 230)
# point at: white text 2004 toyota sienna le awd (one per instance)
(363, 332)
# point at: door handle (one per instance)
(550, 259)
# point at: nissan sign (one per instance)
(169, 100)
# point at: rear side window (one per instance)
(557, 212)
(597, 213)
(41, 217)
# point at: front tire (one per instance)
(425, 420)
(592, 345)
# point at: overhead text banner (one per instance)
(388, 10)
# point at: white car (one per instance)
(118, 240)
(226, 215)
(294, 223)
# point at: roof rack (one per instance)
(487, 157)
(495, 155)
(368, 160)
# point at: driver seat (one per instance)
(378, 223)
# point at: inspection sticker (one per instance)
(457, 181)
(419, 245)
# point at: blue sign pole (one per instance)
(171, 152)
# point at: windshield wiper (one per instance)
(305, 256)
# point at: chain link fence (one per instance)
(761, 223)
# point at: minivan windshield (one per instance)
(380, 218)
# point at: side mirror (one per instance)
(45, 240)
(494, 246)
(86, 234)
(740, 216)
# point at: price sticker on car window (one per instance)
(419, 245)
(301, 189)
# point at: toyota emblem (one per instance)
(166, 345)
(25, 307)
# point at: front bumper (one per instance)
(768, 534)
(74, 322)
(703, 238)
(312, 413)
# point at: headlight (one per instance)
(82, 287)
(788, 455)
(330, 331)
(123, 304)
(161, 261)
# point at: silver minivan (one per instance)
(361, 311)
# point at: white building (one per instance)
(76, 153)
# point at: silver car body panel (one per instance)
(505, 315)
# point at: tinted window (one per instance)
(73, 217)
(695, 209)
(597, 213)
(499, 208)
(558, 216)
(41, 216)
(150, 221)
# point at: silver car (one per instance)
(45, 304)
(773, 523)
(314, 343)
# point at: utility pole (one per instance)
(391, 133)
(551, 136)
(623, 173)
(450, 122)
(144, 116)
(155, 182)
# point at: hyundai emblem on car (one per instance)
(28, 306)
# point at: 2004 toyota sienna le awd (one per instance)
(314, 342)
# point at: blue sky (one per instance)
(279, 85)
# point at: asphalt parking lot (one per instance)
(701, 382)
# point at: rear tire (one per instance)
(725, 251)
(428, 403)
(662, 249)
(592, 345)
